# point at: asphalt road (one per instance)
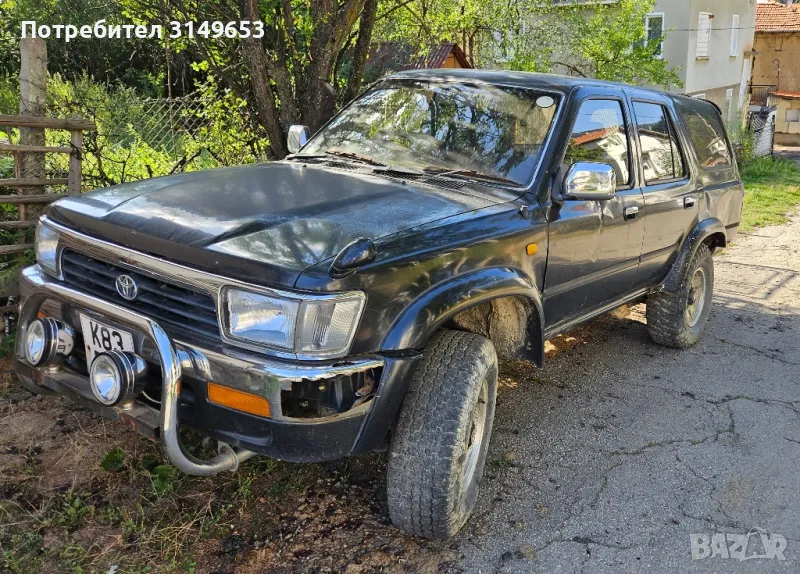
(614, 454)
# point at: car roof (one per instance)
(521, 79)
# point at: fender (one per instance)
(430, 310)
(707, 228)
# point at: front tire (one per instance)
(679, 319)
(438, 450)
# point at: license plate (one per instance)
(101, 338)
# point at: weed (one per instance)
(114, 460)
(163, 480)
(7, 345)
(73, 510)
(502, 463)
(23, 554)
(244, 490)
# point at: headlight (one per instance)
(46, 245)
(322, 326)
(263, 320)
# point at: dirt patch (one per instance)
(61, 512)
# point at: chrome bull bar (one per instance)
(41, 289)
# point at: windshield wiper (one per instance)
(342, 154)
(469, 173)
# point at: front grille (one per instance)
(164, 302)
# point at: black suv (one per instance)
(358, 294)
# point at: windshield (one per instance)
(480, 129)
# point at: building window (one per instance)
(654, 32)
(792, 116)
(735, 36)
(703, 34)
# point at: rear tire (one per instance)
(438, 450)
(679, 319)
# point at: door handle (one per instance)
(688, 202)
(630, 213)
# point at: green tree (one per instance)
(590, 39)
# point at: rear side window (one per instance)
(661, 156)
(706, 132)
(600, 135)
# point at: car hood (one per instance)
(264, 223)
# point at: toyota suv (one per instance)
(357, 295)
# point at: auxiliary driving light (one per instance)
(48, 341)
(117, 377)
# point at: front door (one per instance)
(594, 246)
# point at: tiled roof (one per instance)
(787, 95)
(592, 136)
(388, 57)
(437, 57)
(776, 17)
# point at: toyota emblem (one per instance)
(127, 287)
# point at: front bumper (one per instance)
(186, 367)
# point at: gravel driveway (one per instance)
(609, 458)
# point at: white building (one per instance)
(712, 43)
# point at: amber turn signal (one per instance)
(238, 400)
(531, 249)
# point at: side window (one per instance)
(661, 156)
(706, 132)
(600, 135)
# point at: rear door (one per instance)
(594, 245)
(671, 194)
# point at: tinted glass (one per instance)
(499, 131)
(706, 132)
(599, 135)
(661, 158)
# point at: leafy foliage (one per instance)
(114, 460)
(138, 138)
(589, 39)
(135, 62)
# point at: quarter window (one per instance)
(661, 156)
(600, 135)
(704, 125)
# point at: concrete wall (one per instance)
(787, 133)
(784, 47)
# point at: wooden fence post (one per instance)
(32, 102)
(74, 176)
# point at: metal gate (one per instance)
(762, 126)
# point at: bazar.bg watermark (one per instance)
(758, 544)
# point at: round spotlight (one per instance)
(116, 377)
(47, 341)
(35, 342)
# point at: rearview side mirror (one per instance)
(586, 180)
(297, 137)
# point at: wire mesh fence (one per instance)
(135, 138)
(139, 138)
